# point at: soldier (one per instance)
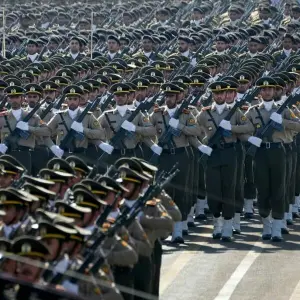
(74, 54)
(175, 150)
(61, 123)
(140, 129)
(271, 159)
(20, 148)
(9, 173)
(33, 249)
(287, 51)
(221, 164)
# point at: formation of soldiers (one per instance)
(124, 123)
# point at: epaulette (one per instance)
(3, 113)
(158, 109)
(109, 111)
(206, 108)
(151, 202)
(186, 111)
(190, 107)
(244, 107)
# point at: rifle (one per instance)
(168, 134)
(218, 135)
(52, 105)
(270, 127)
(41, 53)
(3, 103)
(12, 140)
(104, 105)
(122, 220)
(72, 134)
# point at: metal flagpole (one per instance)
(3, 41)
(92, 24)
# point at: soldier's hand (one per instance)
(77, 126)
(22, 125)
(106, 148)
(277, 118)
(3, 148)
(156, 149)
(205, 149)
(129, 126)
(225, 125)
(57, 151)
(174, 123)
(255, 141)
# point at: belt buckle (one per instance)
(70, 152)
(123, 151)
(172, 151)
(268, 145)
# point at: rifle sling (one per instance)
(260, 116)
(113, 130)
(7, 124)
(166, 129)
(215, 124)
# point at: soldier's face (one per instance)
(28, 272)
(31, 49)
(197, 15)
(53, 247)
(221, 46)
(9, 266)
(147, 45)
(230, 96)
(267, 93)
(171, 100)
(121, 99)
(287, 43)
(74, 46)
(233, 15)
(112, 46)
(253, 47)
(219, 97)
(73, 102)
(15, 101)
(5, 180)
(49, 96)
(243, 87)
(183, 46)
(32, 99)
(278, 93)
(10, 213)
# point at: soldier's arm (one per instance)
(190, 126)
(243, 124)
(142, 244)
(53, 124)
(250, 115)
(143, 126)
(94, 131)
(290, 120)
(40, 128)
(170, 206)
(156, 217)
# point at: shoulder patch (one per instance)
(151, 202)
(191, 121)
(244, 107)
(158, 109)
(186, 111)
(206, 108)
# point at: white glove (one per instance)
(205, 149)
(106, 148)
(129, 126)
(225, 124)
(22, 125)
(156, 149)
(174, 123)
(57, 151)
(277, 118)
(3, 148)
(255, 141)
(77, 126)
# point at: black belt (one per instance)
(123, 151)
(224, 146)
(174, 150)
(120, 269)
(23, 148)
(271, 145)
(288, 146)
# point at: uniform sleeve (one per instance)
(143, 126)
(243, 124)
(170, 206)
(290, 121)
(142, 244)
(53, 124)
(40, 129)
(190, 126)
(94, 130)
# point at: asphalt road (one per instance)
(246, 269)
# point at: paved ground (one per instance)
(246, 269)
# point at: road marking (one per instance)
(296, 292)
(170, 274)
(231, 284)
